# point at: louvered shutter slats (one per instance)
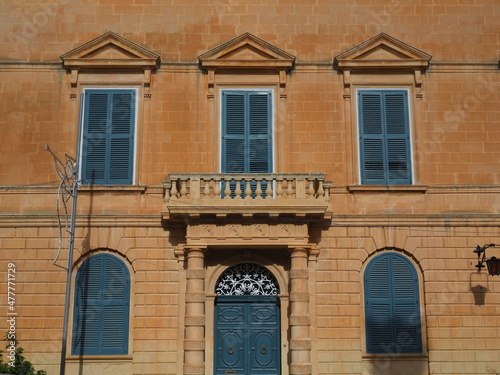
(392, 309)
(108, 144)
(246, 134)
(101, 307)
(384, 137)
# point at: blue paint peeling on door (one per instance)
(247, 335)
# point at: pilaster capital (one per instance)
(195, 251)
(299, 251)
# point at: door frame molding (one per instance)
(213, 272)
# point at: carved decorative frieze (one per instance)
(252, 233)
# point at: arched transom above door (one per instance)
(247, 279)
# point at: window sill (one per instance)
(100, 358)
(118, 188)
(387, 188)
(395, 356)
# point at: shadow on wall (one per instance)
(395, 364)
(479, 293)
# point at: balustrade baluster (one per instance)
(269, 188)
(321, 190)
(217, 182)
(206, 190)
(174, 191)
(258, 188)
(289, 189)
(183, 188)
(279, 187)
(238, 191)
(311, 189)
(227, 188)
(168, 187)
(248, 188)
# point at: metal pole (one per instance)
(69, 272)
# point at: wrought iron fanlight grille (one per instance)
(247, 279)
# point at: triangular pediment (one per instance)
(247, 52)
(110, 50)
(382, 52)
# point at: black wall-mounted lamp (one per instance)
(493, 263)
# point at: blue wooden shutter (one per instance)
(108, 144)
(392, 307)
(259, 132)
(233, 132)
(384, 137)
(246, 132)
(101, 316)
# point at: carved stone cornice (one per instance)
(246, 52)
(110, 50)
(382, 54)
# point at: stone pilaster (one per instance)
(194, 321)
(300, 320)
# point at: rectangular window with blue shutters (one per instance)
(246, 131)
(247, 134)
(108, 136)
(384, 137)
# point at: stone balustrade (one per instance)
(246, 193)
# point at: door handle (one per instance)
(263, 350)
(230, 350)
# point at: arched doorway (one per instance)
(247, 322)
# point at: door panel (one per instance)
(247, 336)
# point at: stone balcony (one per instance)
(257, 195)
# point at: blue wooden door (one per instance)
(247, 335)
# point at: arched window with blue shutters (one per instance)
(392, 305)
(108, 136)
(384, 137)
(102, 304)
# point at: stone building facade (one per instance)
(273, 187)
